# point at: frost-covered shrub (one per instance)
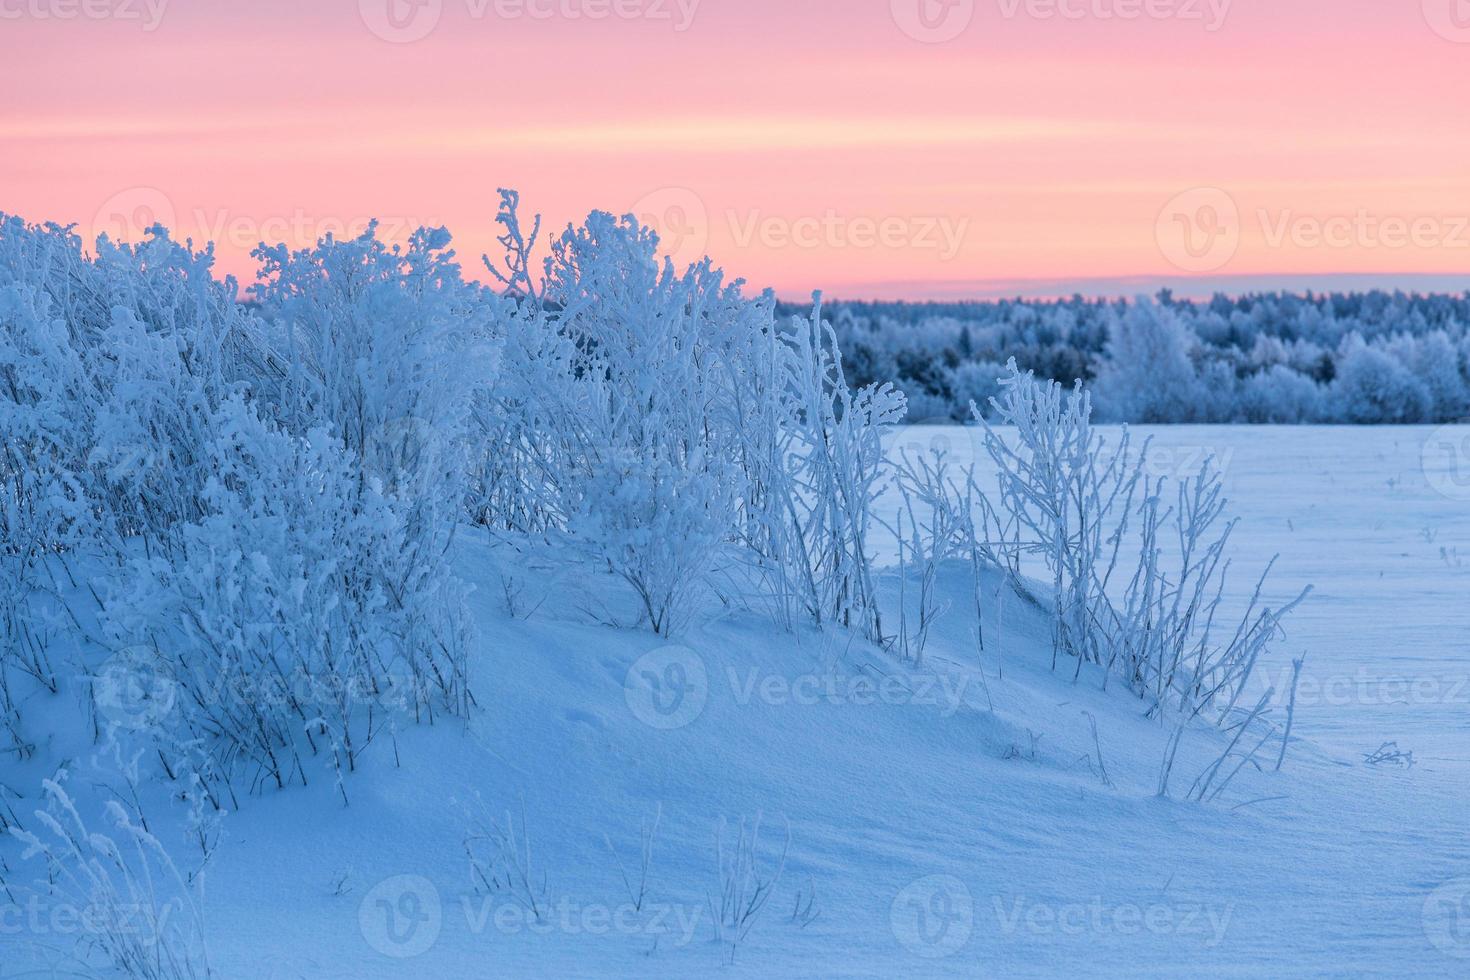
(612, 425)
(659, 493)
(233, 482)
(176, 345)
(663, 420)
(42, 507)
(1066, 488)
(812, 461)
(1137, 565)
(385, 352)
(281, 624)
(521, 479)
(836, 471)
(112, 364)
(386, 347)
(144, 342)
(109, 368)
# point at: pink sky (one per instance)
(802, 143)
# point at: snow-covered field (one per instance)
(963, 818)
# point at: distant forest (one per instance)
(1360, 358)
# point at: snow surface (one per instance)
(953, 820)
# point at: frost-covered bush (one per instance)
(109, 368)
(675, 430)
(1137, 565)
(836, 471)
(386, 347)
(111, 363)
(42, 507)
(228, 482)
(387, 350)
(129, 352)
(659, 493)
(1067, 490)
(519, 478)
(281, 625)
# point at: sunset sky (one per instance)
(884, 148)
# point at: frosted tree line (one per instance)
(1375, 358)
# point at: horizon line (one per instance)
(1196, 288)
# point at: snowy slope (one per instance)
(954, 819)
